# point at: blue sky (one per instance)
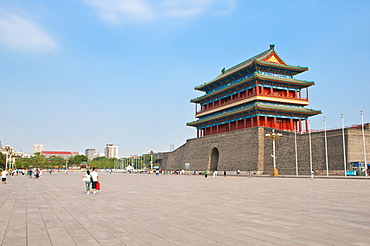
(80, 74)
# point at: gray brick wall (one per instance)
(250, 150)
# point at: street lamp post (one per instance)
(151, 159)
(8, 159)
(273, 135)
(66, 166)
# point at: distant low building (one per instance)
(98, 154)
(62, 154)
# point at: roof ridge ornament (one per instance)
(272, 46)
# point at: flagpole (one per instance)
(295, 149)
(344, 148)
(309, 139)
(363, 141)
(326, 149)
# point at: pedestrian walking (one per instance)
(3, 176)
(224, 174)
(87, 179)
(215, 174)
(312, 173)
(36, 173)
(29, 173)
(95, 179)
(205, 173)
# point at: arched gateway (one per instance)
(213, 164)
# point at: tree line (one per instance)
(40, 161)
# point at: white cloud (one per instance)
(20, 33)
(118, 11)
(192, 8)
(183, 8)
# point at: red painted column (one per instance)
(271, 91)
(291, 125)
(258, 120)
(307, 93)
(307, 126)
(265, 121)
(245, 124)
(252, 122)
(274, 122)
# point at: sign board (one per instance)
(187, 166)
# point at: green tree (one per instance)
(56, 162)
(103, 162)
(38, 161)
(76, 160)
(2, 160)
(22, 162)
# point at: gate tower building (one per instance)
(260, 91)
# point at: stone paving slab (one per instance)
(143, 209)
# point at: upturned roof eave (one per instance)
(256, 75)
(291, 109)
(258, 106)
(236, 68)
(277, 65)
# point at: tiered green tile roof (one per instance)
(250, 65)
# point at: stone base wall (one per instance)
(250, 150)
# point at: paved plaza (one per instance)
(143, 209)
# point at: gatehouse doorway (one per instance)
(214, 159)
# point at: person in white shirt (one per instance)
(95, 179)
(3, 176)
(87, 180)
(215, 174)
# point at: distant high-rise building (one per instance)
(90, 153)
(37, 148)
(111, 151)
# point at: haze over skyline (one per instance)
(85, 73)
